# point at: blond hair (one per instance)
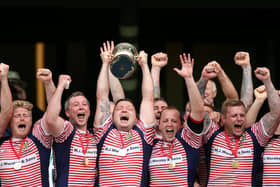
(22, 104)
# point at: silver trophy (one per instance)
(124, 57)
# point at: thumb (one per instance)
(177, 70)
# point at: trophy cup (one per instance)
(124, 57)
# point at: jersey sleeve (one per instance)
(148, 130)
(67, 130)
(100, 131)
(40, 133)
(260, 133)
(209, 130)
(192, 138)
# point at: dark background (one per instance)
(74, 31)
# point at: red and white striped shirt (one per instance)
(121, 157)
(222, 172)
(70, 159)
(271, 162)
(161, 174)
(31, 159)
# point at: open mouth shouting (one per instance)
(22, 127)
(238, 128)
(170, 132)
(124, 119)
(81, 115)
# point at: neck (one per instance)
(83, 128)
(18, 137)
(125, 129)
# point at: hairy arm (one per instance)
(159, 60)
(201, 85)
(196, 102)
(147, 103)
(102, 111)
(115, 87)
(227, 86)
(242, 59)
(6, 106)
(271, 119)
(54, 123)
(260, 97)
(45, 75)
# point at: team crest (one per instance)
(25, 146)
(92, 139)
(129, 136)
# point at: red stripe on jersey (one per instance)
(30, 172)
(120, 162)
(80, 174)
(271, 161)
(221, 171)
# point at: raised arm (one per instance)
(271, 119)
(196, 102)
(45, 75)
(115, 84)
(209, 72)
(115, 87)
(260, 97)
(147, 103)
(55, 123)
(225, 82)
(243, 59)
(102, 111)
(6, 106)
(159, 60)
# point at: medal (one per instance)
(17, 166)
(171, 165)
(86, 161)
(235, 164)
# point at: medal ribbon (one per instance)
(234, 152)
(84, 148)
(122, 142)
(18, 154)
(170, 150)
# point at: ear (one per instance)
(223, 117)
(67, 113)
(214, 94)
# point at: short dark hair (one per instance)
(160, 99)
(124, 99)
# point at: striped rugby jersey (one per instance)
(34, 159)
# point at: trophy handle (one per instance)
(136, 57)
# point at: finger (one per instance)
(44, 72)
(177, 70)
(101, 49)
(185, 57)
(67, 84)
(104, 46)
(181, 59)
(192, 61)
(112, 46)
(108, 46)
(189, 57)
